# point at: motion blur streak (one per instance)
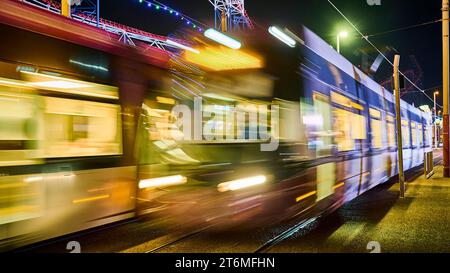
(164, 100)
(12, 83)
(162, 181)
(241, 183)
(33, 179)
(303, 197)
(338, 185)
(59, 84)
(89, 199)
(66, 85)
(170, 42)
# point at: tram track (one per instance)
(178, 239)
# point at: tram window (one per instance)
(18, 128)
(15, 112)
(341, 100)
(376, 127)
(390, 130)
(292, 121)
(390, 118)
(358, 126)
(322, 121)
(405, 134)
(420, 133)
(377, 142)
(80, 128)
(348, 126)
(414, 133)
(428, 136)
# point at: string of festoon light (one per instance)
(160, 7)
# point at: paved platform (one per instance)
(420, 222)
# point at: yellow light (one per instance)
(338, 185)
(89, 199)
(241, 183)
(357, 106)
(164, 100)
(16, 210)
(304, 196)
(222, 58)
(340, 99)
(162, 181)
(59, 84)
(92, 94)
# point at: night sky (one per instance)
(424, 43)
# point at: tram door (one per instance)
(326, 173)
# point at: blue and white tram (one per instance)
(337, 135)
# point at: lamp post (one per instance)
(436, 141)
(342, 34)
(401, 175)
(445, 84)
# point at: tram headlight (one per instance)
(241, 183)
(162, 181)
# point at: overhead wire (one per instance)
(379, 51)
(404, 28)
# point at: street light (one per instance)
(435, 117)
(342, 34)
